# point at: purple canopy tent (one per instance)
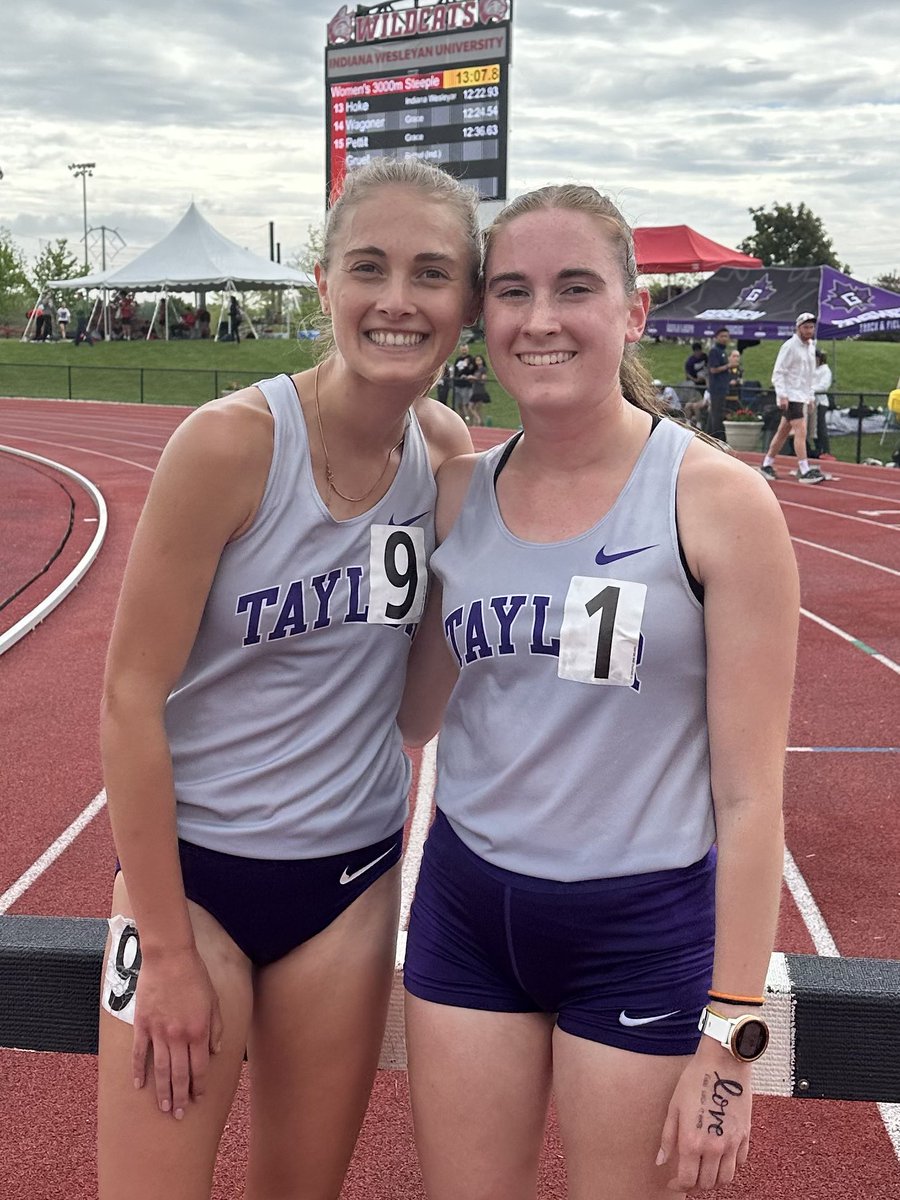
(760, 303)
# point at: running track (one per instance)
(842, 882)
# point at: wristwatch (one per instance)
(745, 1037)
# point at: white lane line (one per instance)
(83, 450)
(842, 554)
(827, 947)
(809, 910)
(418, 830)
(890, 1114)
(37, 614)
(52, 853)
(854, 641)
(829, 512)
(101, 404)
(94, 437)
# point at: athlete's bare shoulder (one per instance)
(453, 481)
(446, 433)
(724, 506)
(707, 468)
(237, 427)
(225, 447)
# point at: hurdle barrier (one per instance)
(834, 1022)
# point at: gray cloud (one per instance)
(688, 112)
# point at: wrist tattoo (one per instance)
(704, 1091)
(722, 1090)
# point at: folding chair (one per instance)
(892, 415)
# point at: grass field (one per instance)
(192, 372)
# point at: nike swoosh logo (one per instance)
(603, 558)
(624, 1019)
(411, 521)
(349, 876)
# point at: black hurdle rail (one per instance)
(834, 1022)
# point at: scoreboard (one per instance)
(453, 114)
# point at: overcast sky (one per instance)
(686, 111)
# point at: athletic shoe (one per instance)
(813, 475)
(768, 472)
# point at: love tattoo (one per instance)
(714, 1101)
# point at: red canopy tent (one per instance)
(667, 249)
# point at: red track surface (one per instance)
(841, 810)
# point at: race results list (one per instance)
(455, 119)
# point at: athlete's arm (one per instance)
(204, 492)
(432, 670)
(751, 610)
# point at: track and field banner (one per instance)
(764, 302)
(408, 79)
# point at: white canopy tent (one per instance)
(193, 257)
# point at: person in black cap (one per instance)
(792, 378)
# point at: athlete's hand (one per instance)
(176, 1018)
(706, 1136)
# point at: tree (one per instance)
(14, 285)
(55, 261)
(306, 259)
(890, 281)
(786, 237)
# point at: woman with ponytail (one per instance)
(614, 645)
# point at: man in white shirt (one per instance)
(822, 381)
(792, 379)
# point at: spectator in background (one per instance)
(480, 393)
(126, 315)
(735, 379)
(44, 327)
(717, 383)
(235, 316)
(463, 369)
(792, 379)
(82, 333)
(63, 317)
(822, 381)
(667, 396)
(444, 384)
(695, 367)
(204, 317)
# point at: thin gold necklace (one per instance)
(329, 474)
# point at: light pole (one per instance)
(84, 169)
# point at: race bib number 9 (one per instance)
(398, 574)
(122, 967)
(601, 630)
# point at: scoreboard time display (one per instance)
(440, 95)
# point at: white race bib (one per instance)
(601, 630)
(122, 967)
(398, 574)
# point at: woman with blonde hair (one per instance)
(256, 780)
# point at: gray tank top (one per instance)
(575, 743)
(283, 725)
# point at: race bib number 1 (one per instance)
(122, 967)
(398, 574)
(601, 630)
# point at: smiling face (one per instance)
(557, 315)
(398, 285)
